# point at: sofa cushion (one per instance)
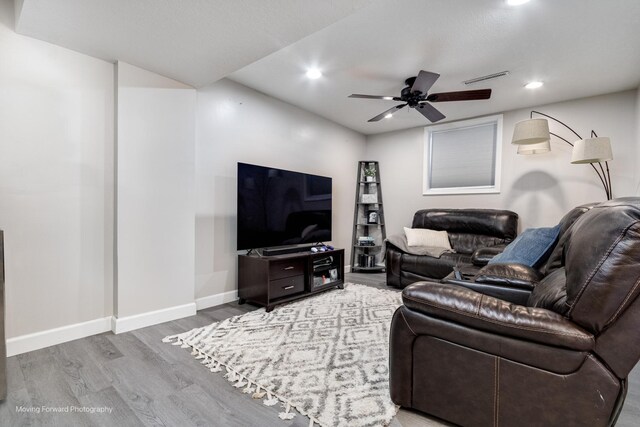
(509, 275)
(531, 248)
(427, 237)
(551, 292)
(436, 268)
(399, 241)
(555, 260)
(482, 256)
(601, 260)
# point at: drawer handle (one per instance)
(289, 268)
(286, 288)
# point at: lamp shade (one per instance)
(532, 131)
(592, 150)
(539, 148)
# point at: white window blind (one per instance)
(463, 157)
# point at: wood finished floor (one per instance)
(150, 383)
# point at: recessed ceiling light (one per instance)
(388, 98)
(388, 116)
(516, 2)
(533, 85)
(314, 73)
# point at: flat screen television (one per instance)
(278, 207)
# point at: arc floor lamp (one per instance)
(532, 136)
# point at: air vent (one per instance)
(487, 77)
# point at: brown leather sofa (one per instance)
(560, 360)
(470, 231)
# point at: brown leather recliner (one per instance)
(515, 282)
(469, 231)
(560, 360)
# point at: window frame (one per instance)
(462, 124)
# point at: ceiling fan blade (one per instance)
(430, 112)
(388, 98)
(424, 81)
(464, 95)
(389, 111)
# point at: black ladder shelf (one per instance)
(368, 221)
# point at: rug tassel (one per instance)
(249, 388)
(269, 401)
(240, 382)
(287, 415)
(230, 375)
(258, 394)
(310, 421)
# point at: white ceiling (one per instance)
(578, 48)
(194, 41)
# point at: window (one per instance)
(463, 157)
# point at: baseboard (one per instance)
(216, 299)
(142, 320)
(36, 341)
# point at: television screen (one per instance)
(280, 208)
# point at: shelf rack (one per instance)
(367, 258)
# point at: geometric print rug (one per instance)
(325, 356)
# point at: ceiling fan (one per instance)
(416, 96)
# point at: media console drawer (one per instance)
(287, 286)
(286, 268)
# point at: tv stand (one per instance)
(271, 280)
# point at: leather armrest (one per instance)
(391, 247)
(512, 275)
(483, 255)
(482, 312)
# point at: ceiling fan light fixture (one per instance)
(533, 85)
(416, 96)
(314, 73)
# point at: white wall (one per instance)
(540, 188)
(236, 124)
(155, 192)
(56, 183)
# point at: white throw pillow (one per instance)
(426, 237)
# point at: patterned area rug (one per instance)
(327, 356)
